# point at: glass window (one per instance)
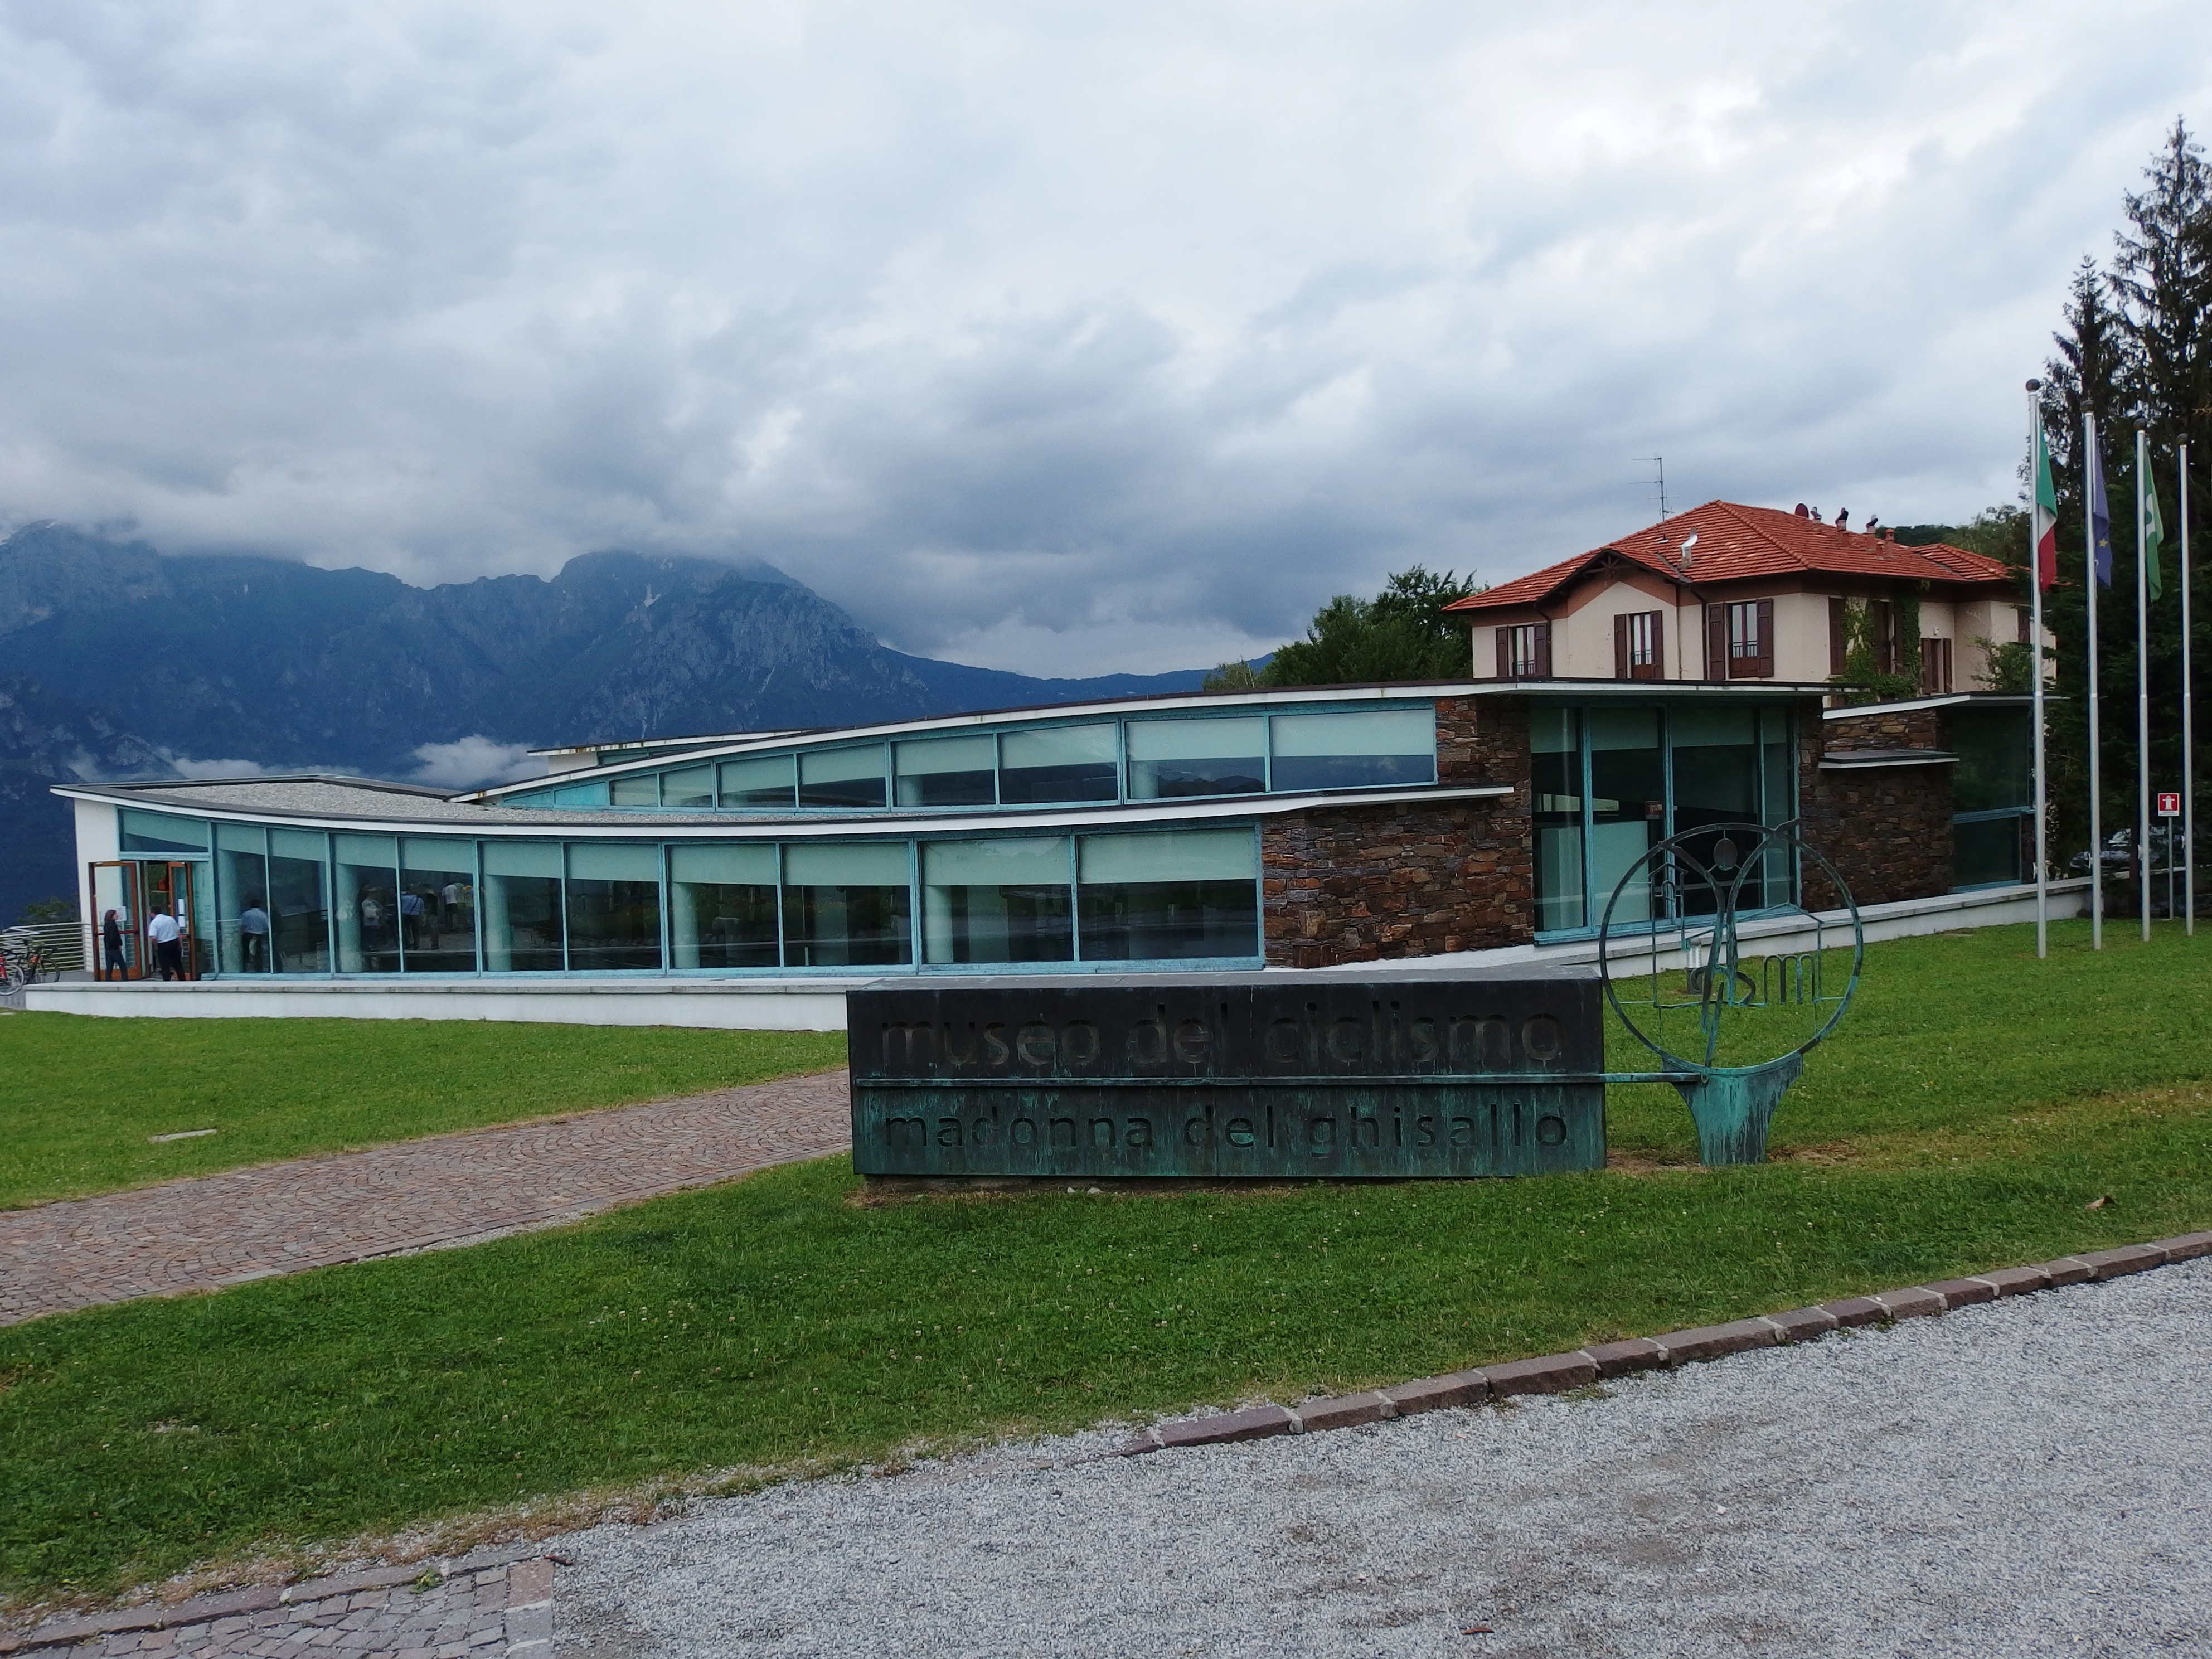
(947, 771)
(1059, 763)
(722, 905)
(522, 906)
(1988, 850)
(437, 906)
(1170, 759)
(1364, 750)
(635, 789)
(573, 795)
(846, 905)
(1996, 763)
(614, 907)
(157, 832)
(241, 878)
(1778, 797)
(1627, 805)
(1715, 760)
(997, 901)
(299, 900)
(368, 905)
(1169, 893)
(763, 781)
(842, 777)
(694, 786)
(1556, 765)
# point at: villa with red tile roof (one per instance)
(1726, 592)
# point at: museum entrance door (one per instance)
(116, 886)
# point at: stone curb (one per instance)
(1555, 1373)
(529, 1563)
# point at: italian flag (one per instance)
(2046, 516)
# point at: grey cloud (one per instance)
(1099, 338)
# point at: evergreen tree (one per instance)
(1402, 633)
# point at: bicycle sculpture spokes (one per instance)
(1732, 1026)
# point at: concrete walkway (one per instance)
(416, 1195)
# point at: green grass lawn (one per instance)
(1975, 1103)
(80, 1097)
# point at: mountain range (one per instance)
(117, 660)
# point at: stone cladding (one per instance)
(1359, 883)
(1887, 829)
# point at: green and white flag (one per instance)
(2153, 534)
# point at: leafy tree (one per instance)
(41, 912)
(1402, 633)
(1233, 676)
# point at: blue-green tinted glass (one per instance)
(947, 771)
(1366, 750)
(722, 905)
(157, 832)
(1556, 761)
(635, 789)
(1058, 763)
(614, 907)
(1171, 759)
(692, 786)
(241, 899)
(763, 780)
(437, 905)
(1169, 893)
(997, 901)
(846, 905)
(521, 899)
(299, 900)
(842, 777)
(367, 904)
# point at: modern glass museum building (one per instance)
(1297, 829)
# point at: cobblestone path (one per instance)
(416, 1195)
(446, 1610)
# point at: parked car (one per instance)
(2119, 852)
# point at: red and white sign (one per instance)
(2169, 807)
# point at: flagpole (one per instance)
(2090, 460)
(2142, 682)
(2035, 669)
(2188, 731)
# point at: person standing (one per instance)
(254, 935)
(169, 943)
(110, 947)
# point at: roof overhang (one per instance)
(700, 827)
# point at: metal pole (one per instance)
(2035, 672)
(2142, 682)
(2188, 730)
(2089, 459)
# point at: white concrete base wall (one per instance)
(750, 1006)
(819, 1005)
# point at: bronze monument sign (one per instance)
(1250, 1075)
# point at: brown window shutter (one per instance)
(1543, 650)
(1621, 667)
(1838, 635)
(1765, 662)
(1504, 636)
(1717, 663)
(1658, 669)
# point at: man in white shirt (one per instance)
(169, 943)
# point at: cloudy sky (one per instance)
(1061, 337)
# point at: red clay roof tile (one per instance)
(1736, 544)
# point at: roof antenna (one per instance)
(1659, 478)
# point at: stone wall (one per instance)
(1912, 728)
(1358, 884)
(1885, 828)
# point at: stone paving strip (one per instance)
(1558, 1373)
(487, 1605)
(431, 1193)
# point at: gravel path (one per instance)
(2030, 1477)
(431, 1193)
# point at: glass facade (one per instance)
(288, 901)
(1992, 797)
(1157, 757)
(1611, 782)
(999, 901)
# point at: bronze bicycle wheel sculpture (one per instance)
(1679, 951)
